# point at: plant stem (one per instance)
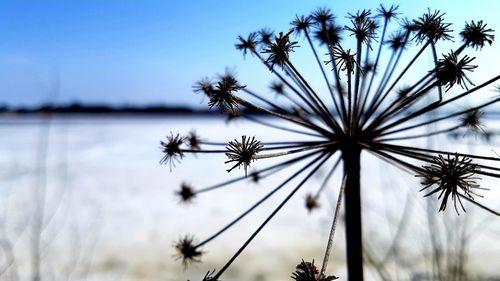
(351, 155)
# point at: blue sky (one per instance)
(140, 52)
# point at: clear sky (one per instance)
(140, 52)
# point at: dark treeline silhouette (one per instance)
(77, 108)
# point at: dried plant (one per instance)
(365, 107)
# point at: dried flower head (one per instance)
(430, 27)
(311, 202)
(301, 24)
(475, 34)
(387, 13)
(280, 49)
(473, 120)
(222, 96)
(193, 140)
(397, 40)
(187, 250)
(186, 193)
(363, 27)
(344, 59)
(248, 44)
(408, 25)
(452, 176)
(277, 87)
(307, 271)
(329, 35)
(243, 153)
(256, 176)
(172, 149)
(451, 71)
(204, 86)
(322, 16)
(266, 36)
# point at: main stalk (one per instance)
(351, 154)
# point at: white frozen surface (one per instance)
(111, 213)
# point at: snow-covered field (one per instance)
(110, 213)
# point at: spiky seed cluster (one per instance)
(186, 193)
(172, 149)
(451, 71)
(204, 86)
(311, 202)
(248, 44)
(301, 23)
(277, 87)
(187, 250)
(307, 271)
(408, 25)
(453, 177)
(322, 16)
(193, 140)
(397, 40)
(473, 120)
(329, 35)
(221, 95)
(265, 36)
(387, 13)
(256, 177)
(475, 34)
(364, 27)
(344, 59)
(280, 49)
(243, 153)
(431, 27)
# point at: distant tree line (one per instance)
(77, 108)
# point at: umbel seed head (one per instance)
(172, 149)
(280, 49)
(187, 251)
(186, 193)
(307, 271)
(473, 120)
(222, 94)
(311, 202)
(452, 177)
(475, 34)
(193, 141)
(243, 153)
(451, 71)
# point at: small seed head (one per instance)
(307, 271)
(187, 251)
(172, 149)
(243, 153)
(453, 176)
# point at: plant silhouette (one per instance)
(367, 107)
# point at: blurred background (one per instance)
(89, 88)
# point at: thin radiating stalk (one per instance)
(332, 228)
(375, 107)
(320, 65)
(290, 195)
(271, 168)
(258, 203)
(436, 106)
(327, 178)
(251, 118)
